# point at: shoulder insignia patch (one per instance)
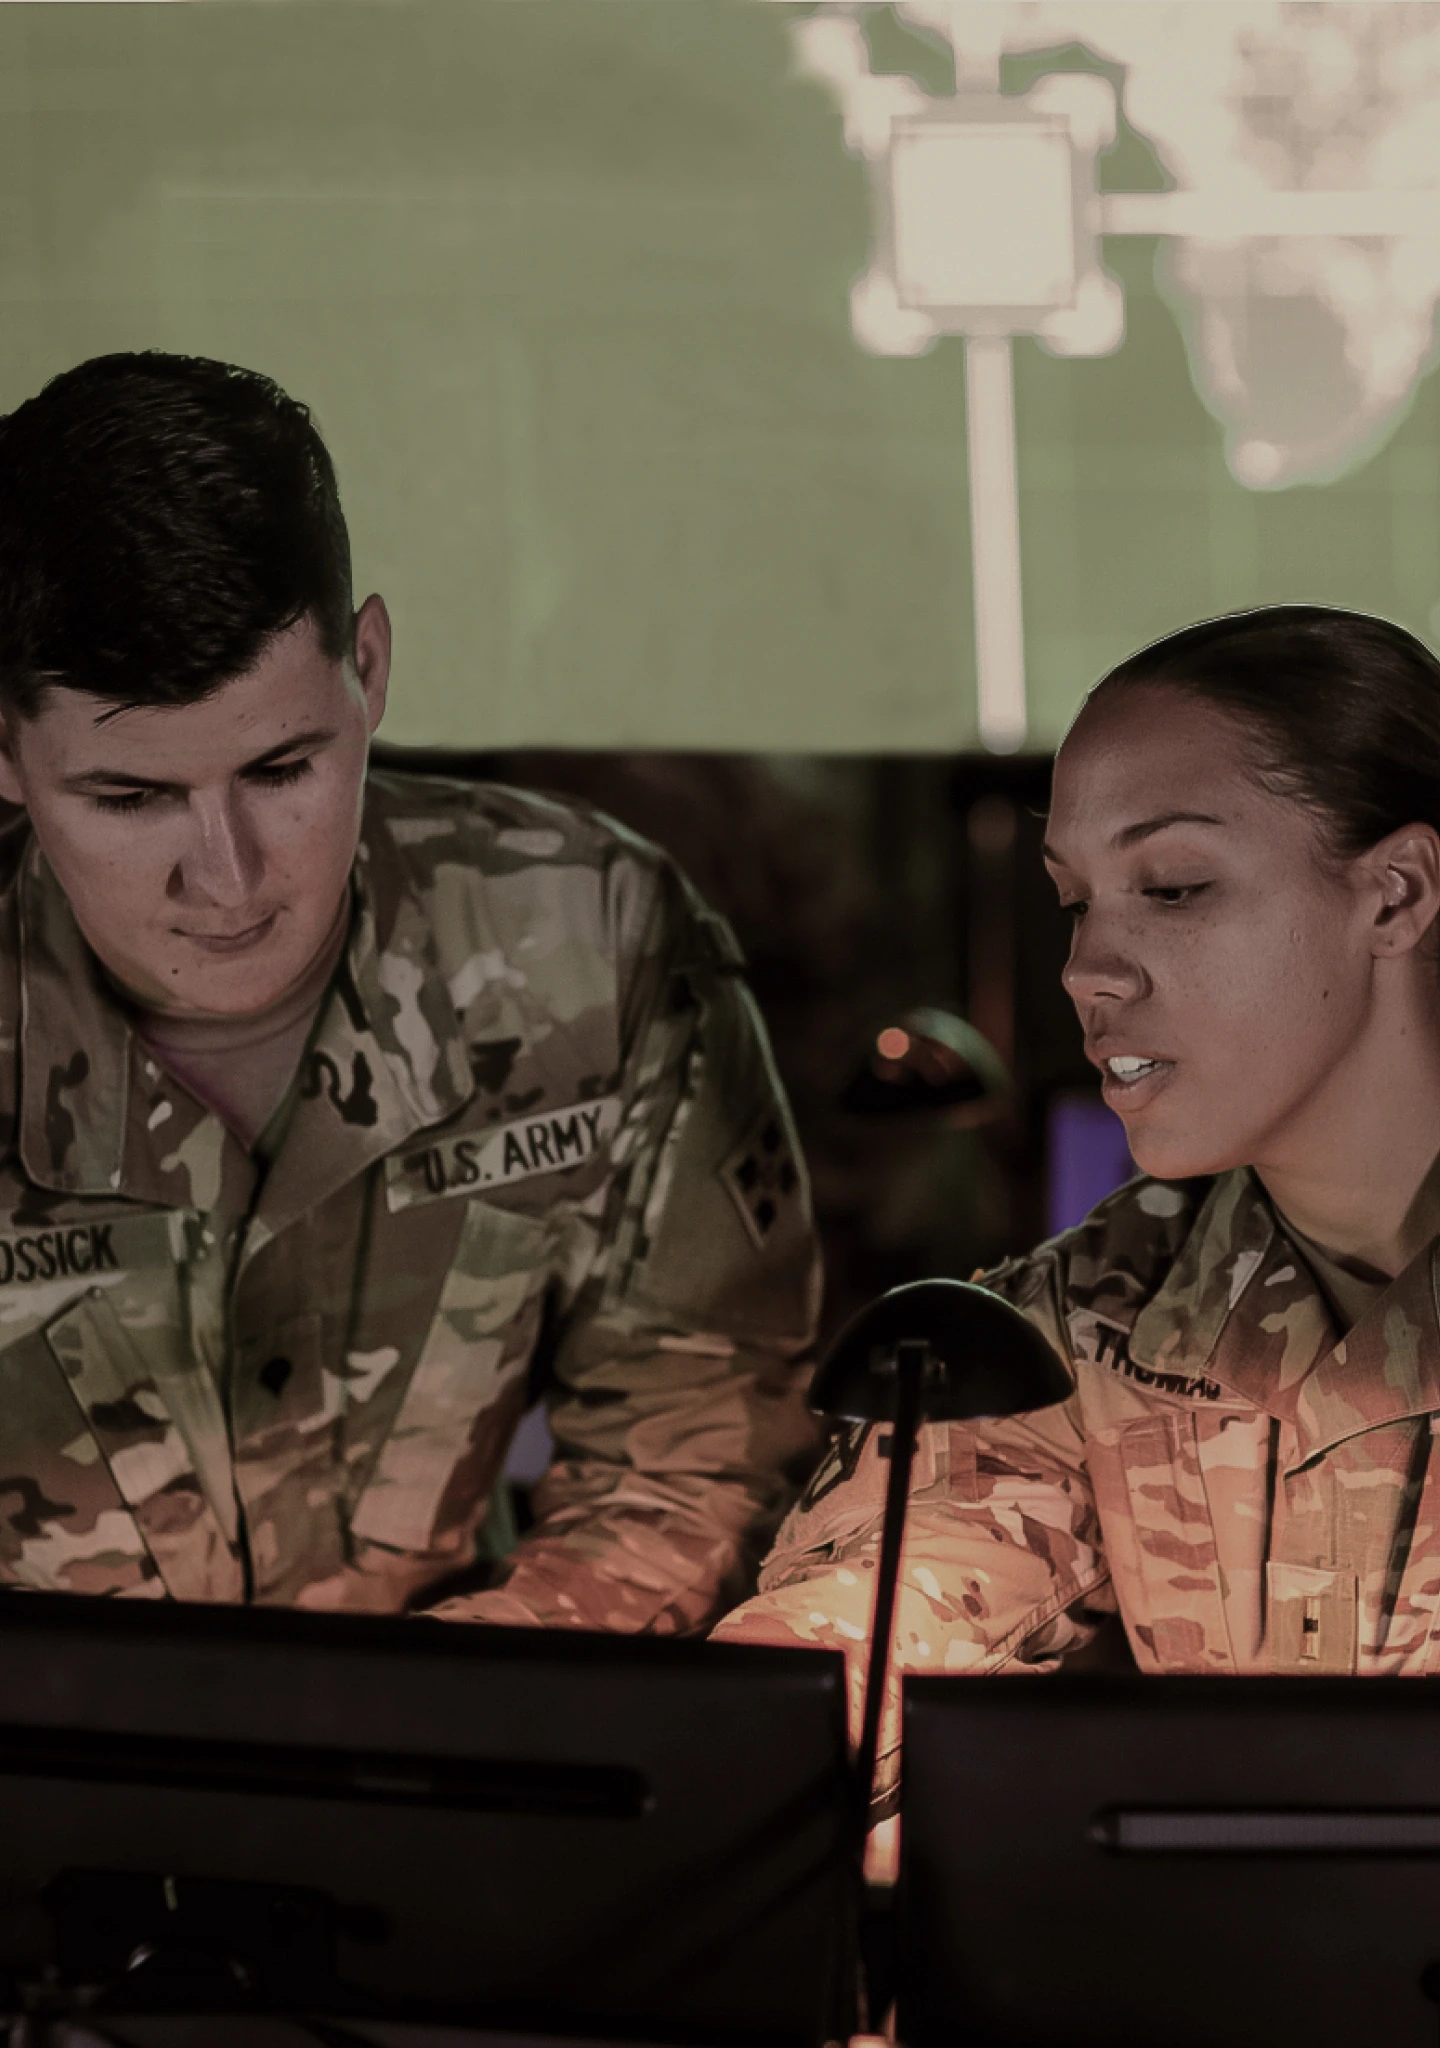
(762, 1177)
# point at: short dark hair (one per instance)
(162, 516)
(1347, 709)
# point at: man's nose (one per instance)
(1101, 964)
(223, 863)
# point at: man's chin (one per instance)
(241, 985)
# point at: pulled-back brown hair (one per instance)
(1346, 709)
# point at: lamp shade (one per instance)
(925, 1061)
(983, 1358)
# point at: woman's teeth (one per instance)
(1126, 1068)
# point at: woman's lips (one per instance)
(1125, 1097)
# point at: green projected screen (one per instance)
(567, 284)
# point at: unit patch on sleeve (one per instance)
(762, 1176)
(552, 1141)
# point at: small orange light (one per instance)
(893, 1043)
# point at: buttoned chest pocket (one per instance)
(65, 1525)
(1159, 1536)
(99, 1491)
(436, 1465)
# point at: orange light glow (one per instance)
(893, 1043)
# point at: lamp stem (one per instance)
(910, 1361)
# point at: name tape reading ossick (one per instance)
(88, 1251)
(554, 1141)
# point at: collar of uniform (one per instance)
(1239, 1304)
(74, 1047)
(389, 1057)
(1386, 1366)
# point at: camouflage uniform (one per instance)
(1252, 1489)
(536, 1127)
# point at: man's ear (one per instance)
(11, 787)
(1403, 870)
(372, 655)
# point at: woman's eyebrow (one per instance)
(1131, 835)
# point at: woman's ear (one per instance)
(1403, 871)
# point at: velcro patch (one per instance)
(762, 1176)
(553, 1141)
(81, 1251)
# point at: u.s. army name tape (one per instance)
(551, 1141)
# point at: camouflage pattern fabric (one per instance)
(1252, 1489)
(536, 1135)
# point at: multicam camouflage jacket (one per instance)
(1252, 1489)
(536, 1136)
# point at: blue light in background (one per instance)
(1086, 1155)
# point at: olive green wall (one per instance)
(565, 282)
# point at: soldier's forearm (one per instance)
(552, 1583)
(636, 1552)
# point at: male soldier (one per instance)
(343, 1109)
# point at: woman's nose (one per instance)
(1101, 964)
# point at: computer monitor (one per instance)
(1170, 1863)
(565, 1833)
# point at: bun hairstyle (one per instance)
(1346, 709)
(161, 517)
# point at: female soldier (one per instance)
(1246, 830)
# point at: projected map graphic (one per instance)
(1300, 242)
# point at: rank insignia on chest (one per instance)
(762, 1177)
(551, 1141)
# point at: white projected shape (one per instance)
(983, 216)
(1302, 249)
(954, 246)
(1301, 246)
(995, 542)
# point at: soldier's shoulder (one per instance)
(493, 868)
(1113, 1262)
(496, 829)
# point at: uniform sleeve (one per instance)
(1002, 1568)
(678, 1386)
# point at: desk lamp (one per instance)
(925, 1061)
(933, 1351)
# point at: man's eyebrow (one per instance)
(1131, 835)
(123, 778)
